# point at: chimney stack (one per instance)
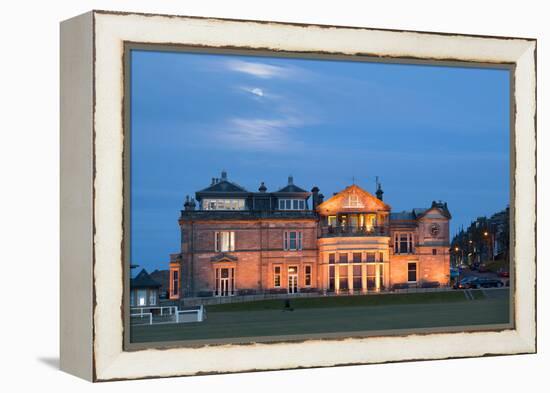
(186, 204)
(315, 197)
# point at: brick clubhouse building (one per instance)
(237, 242)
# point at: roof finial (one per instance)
(262, 188)
(224, 175)
(379, 192)
(290, 180)
(353, 180)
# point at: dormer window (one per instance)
(223, 204)
(292, 204)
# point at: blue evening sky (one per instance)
(429, 133)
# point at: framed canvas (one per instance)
(395, 211)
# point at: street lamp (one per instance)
(490, 242)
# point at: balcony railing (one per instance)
(350, 230)
(246, 214)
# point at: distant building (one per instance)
(144, 291)
(238, 242)
(163, 278)
(484, 239)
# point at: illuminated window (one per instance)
(277, 276)
(343, 272)
(371, 277)
(411, 272)
(292, 204)
(225, 241)
(403, 243)
(307, 276)
(293, 240)
(353, 201)
(175, 282)
(223, 204)
(357, 277)
(370, 221)
(152, 298)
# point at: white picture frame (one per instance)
(92, 194)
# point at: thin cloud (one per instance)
(258, 92)
(260, 70)
(261, 134)
(257, 134)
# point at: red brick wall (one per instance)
(258, 245)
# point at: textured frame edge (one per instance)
(76, 196)
(109, 359)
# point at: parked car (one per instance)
(480, 282)
(504, 274)
(465, 282)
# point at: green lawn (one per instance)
(477, 294)
(341, 301)
(334, 315)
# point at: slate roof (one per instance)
(417, 211)
(224, 186)
(291, 188)
(404, 215)
(143, 280)
(162, 277)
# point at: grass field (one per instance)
(342, 301)
(336, 314)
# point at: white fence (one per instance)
(166, 314)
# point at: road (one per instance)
(475, 273)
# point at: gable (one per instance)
(432, 213)
(352, 199)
